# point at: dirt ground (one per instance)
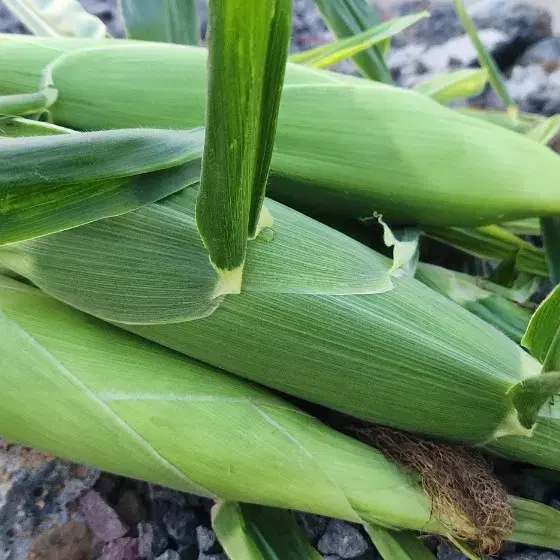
(552, 6)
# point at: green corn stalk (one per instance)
(176, 428)
(248, 48)
(458, 170)
(319, 303)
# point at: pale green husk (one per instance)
(383, 357)
(457, 170)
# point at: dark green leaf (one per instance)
(252, 532)
(350, 17)
(247, 59)
(164, 21)
(550, 228)
(398, 545)
(52, 183)
(506, 272)
(542, 337)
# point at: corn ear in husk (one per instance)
(320, 304)
(155, 415)
(352, 161)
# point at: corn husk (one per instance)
(383, 149)
(152, 414)
(357, 346)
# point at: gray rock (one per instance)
(444, 552)
(219, 556)
(342, 539)
(313, 526)
(169, 555)
(526, 81)
(120, 549)
(207, 541)
(8, 23)
(181, 524)
(189, 552)
(525, 555)
(101, 518)
(35, 493)
(544, 52)
(547, 556)
(130, 508)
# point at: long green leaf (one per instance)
(542, 338)
(332, 53)
(486, 60)
(27, 103)
(166, 21)
(57, 18)
(250, 532)
(524, 122)
(248, 49)
(527, 226)
(56, 182)
(486, 300)
(550, 228)
(347, 18)
(495, 244)
(398, 545)
(546, 133)
(454, 86)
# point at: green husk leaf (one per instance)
(52, 183)
(529, 395)
(27, 103)
(454, 86)
(486, 60)
(546, 133)
(250, 532)
(527, 226)
(166, 21)
(546, 130)
(398, 545)
(247, 58)
(57, 18)
(173, 279)
(493, 243)
(332, 53)
(542, 337)
(506, 272)
(347, 18)
(479, 297)
(17, 127)
(534, 522)
(550, 228)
